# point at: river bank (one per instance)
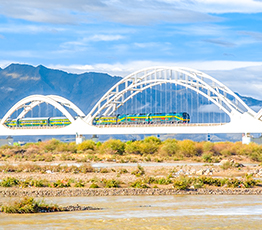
(87, 192)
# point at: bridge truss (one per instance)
(137, 82)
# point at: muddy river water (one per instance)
(146, 212)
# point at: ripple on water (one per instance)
(147, 212)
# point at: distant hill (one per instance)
(18, 81)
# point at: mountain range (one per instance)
(18, 81)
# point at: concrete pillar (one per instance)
(246, 138)
(79, 138)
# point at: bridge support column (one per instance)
(246, 138)
(79, 138)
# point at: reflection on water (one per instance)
(146, 212)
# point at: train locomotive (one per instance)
(143, 118)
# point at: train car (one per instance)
(143, 118)
(159, 118)
(27, 122)
(167, 118)
(139, 118)
(11, 123)
(58, 121)
(105, 121)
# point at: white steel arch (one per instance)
(61, 100)
(34, 100)
(196, 80)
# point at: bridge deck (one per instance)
(125, 126)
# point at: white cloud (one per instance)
(85, 11)
(105, 37)
(225, 6)
(74, 45)
(211, 108)
(123, 69)
(7, 89)
(124, 11)
(16, 28)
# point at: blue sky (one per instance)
(222, 38)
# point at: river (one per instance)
(146, 212)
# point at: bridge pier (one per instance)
(246, 138)
(79, 138)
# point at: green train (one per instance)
(143, 118)
(37, 122)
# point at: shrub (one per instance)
(111, 183)
(133, 147)
(187, 148)
(208, 147)
(79, 184)
(226, 165)
(85, 168)
(33, 183)
(122, 171)
(113, 147)
(29, 205)
(9, 182)
(85, 145)
(182, 183)
(93, 185)
(169, 147)
(207, 157)
(139, 171)
(51, 145)
(152, 139)
(149, 148)
(139, 184)
(60, 184)
(104, 170)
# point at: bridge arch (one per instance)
(195, 80)
(32, 101)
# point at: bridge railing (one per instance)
(38, 127)
(159, 125)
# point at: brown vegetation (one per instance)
(149, 149)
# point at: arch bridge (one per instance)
(242, 118)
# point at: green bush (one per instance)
(112, 183)
(86, 168)
(182, 183)
(226, 165)
(187, 148)
(112, 147)
(139, 171)
(9, 182)
(169, 147)
(94, 185)
(29, 205)
(85, 145)
(51, 145)
(60, 184)
(139, 184)
(133, 148)
(207, 157)
(152, 139)
(79, 184)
